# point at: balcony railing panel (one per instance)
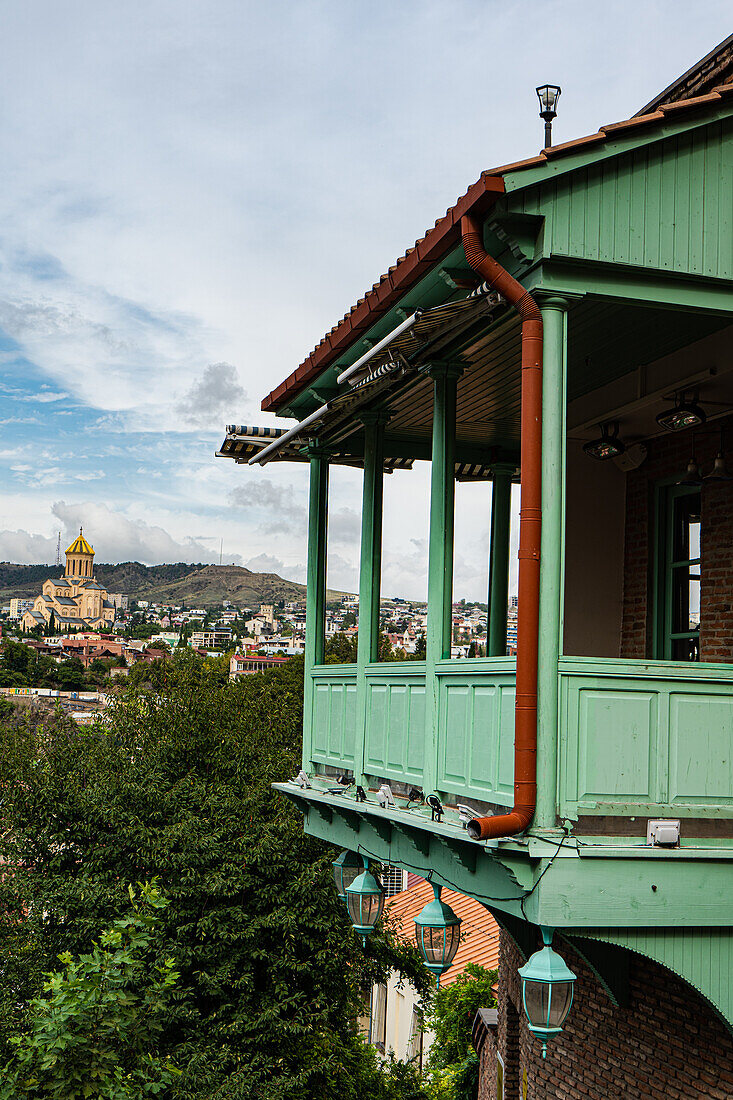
(334, 716)
(395, 721)
(476, 730)
(646, 738)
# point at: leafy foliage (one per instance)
(175, 784)
(452, 1064)
(95, 1032)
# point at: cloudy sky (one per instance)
(192, 193)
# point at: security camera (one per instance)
(436, 807)
(385, 796)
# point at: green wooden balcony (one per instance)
(633, 739)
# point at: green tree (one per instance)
(95, 1030)
(452, 1065)
(176, 784)
(70, 675)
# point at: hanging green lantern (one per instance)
(364, 902)
(346, 867)
(438, 934)
(547, 991)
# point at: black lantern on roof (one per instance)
(548, 95)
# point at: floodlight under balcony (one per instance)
(608, 445)
(685, 413)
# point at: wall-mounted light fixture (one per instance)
(719, 471)
(547, 991)
(685, 413)
(437, 934)
(608, 445)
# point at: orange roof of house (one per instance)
(479, 931)
(445, 234)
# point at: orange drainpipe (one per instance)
(530, 522)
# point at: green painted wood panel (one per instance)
(395, 723)
(652, 738)
(333, 726)
(700, 747)
(667, 205)
(476, 735)
(703, 957)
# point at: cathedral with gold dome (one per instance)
(75, 601)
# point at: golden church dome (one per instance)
(80, 545)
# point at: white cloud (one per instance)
(171, 201)
(214, 397)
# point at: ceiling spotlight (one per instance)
(685, 413)
(608, 445)
(385, 796)
(436, 807)
(414, 795)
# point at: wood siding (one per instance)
(667, 206)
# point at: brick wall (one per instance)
(667, 1044)
(668, 456)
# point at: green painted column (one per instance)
(554, 319)
(440, 558)
(370, 570)
(315, 607)
(501, 502)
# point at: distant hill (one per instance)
(193, 585)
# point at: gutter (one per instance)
(530, 521)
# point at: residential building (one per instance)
(18, 607)
(245, 664)
(570, 318)
(75, 601)
(217, 638)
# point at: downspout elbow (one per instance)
(484, 828)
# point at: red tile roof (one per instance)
(444, 235)
(479, 931)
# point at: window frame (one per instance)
(667, 492)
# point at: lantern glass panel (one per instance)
(364, 909)
(344, 875)
(537, 1002)
(560, 1002)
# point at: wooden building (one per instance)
(567, 325)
